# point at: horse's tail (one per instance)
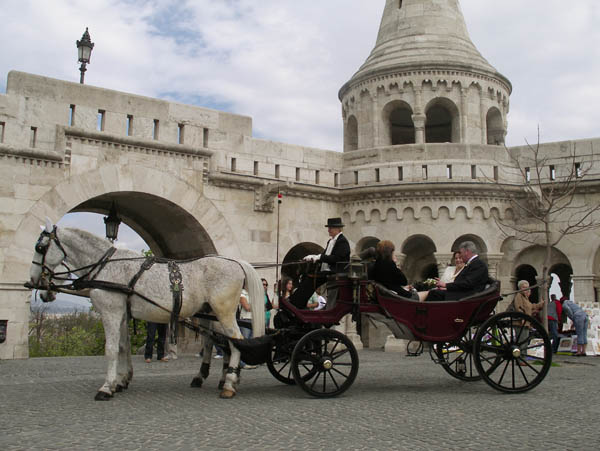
(256, 292)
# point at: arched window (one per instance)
(351, 134)
(442, 122)
(398, 123)
(402, 127)
(494, 127)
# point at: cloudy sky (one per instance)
(282, 61)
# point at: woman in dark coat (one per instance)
(387, 273)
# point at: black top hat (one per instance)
(334, 222)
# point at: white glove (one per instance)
(311, 258)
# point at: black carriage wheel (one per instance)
(456, 357)
(279, 362)
(506, 359)
(324, 363)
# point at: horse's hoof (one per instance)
(102, 396)
(119, 388)
(221, 385)
(196, 382)
(227, 394)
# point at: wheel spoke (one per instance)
(339, 354)
(333, 380)
(339, 372)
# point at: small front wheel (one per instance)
(324, 363)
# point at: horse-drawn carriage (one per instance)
(465, 337)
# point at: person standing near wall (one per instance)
(554, 319)
(581, 321)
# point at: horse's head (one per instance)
(49, 253)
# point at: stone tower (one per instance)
(424, 82)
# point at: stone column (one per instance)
(583, 285)
(463, 115)
(376, 121)
(493, 260)
(443, 261)
(418, 117)
(482, 118)
(15, 309)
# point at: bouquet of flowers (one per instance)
(425, 285)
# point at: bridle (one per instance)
(42, 248)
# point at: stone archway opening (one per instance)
(442, 122)
(398, 123)
(402, 128)
(295, 254)
(479, 243)
(564, 273)
(495, 127)
(528, 273)
(419, 263)
(351, 134)
(366, 243)
(169, 230)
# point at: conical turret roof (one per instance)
(423, 34)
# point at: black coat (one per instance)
(390, 276)
(472, 279)
(339, 253)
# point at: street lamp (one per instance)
(112, 222)
(84, 52)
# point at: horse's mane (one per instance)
(91, 240)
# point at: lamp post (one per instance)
(84, 52)
(112, 222)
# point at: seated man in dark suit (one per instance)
(472, 279)
(337, 250)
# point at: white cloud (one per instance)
(282, 62)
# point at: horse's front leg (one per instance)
(112, 309)
(207, 345)
(125, 366)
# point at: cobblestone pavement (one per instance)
(395, 403)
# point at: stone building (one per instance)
(423, 165)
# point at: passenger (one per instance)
(581, 321)
(317, 301)
(453, 271)
(336, 250)
(388, 274)
(472, 279)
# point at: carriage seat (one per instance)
(491, 286)
(386, 292)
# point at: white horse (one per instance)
(214, 282)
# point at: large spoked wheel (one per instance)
(324, 363)
(457, 357)
(509, 356)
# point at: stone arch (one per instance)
(209, 230)
(534, 256)
(398, 124)
(442, 123)
(420, 259)
(295, 254)
(351, 134)
(482, 248)
(564, 273)
(530, 274)
(365, 243)
(494, 125)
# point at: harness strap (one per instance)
(176, 280)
